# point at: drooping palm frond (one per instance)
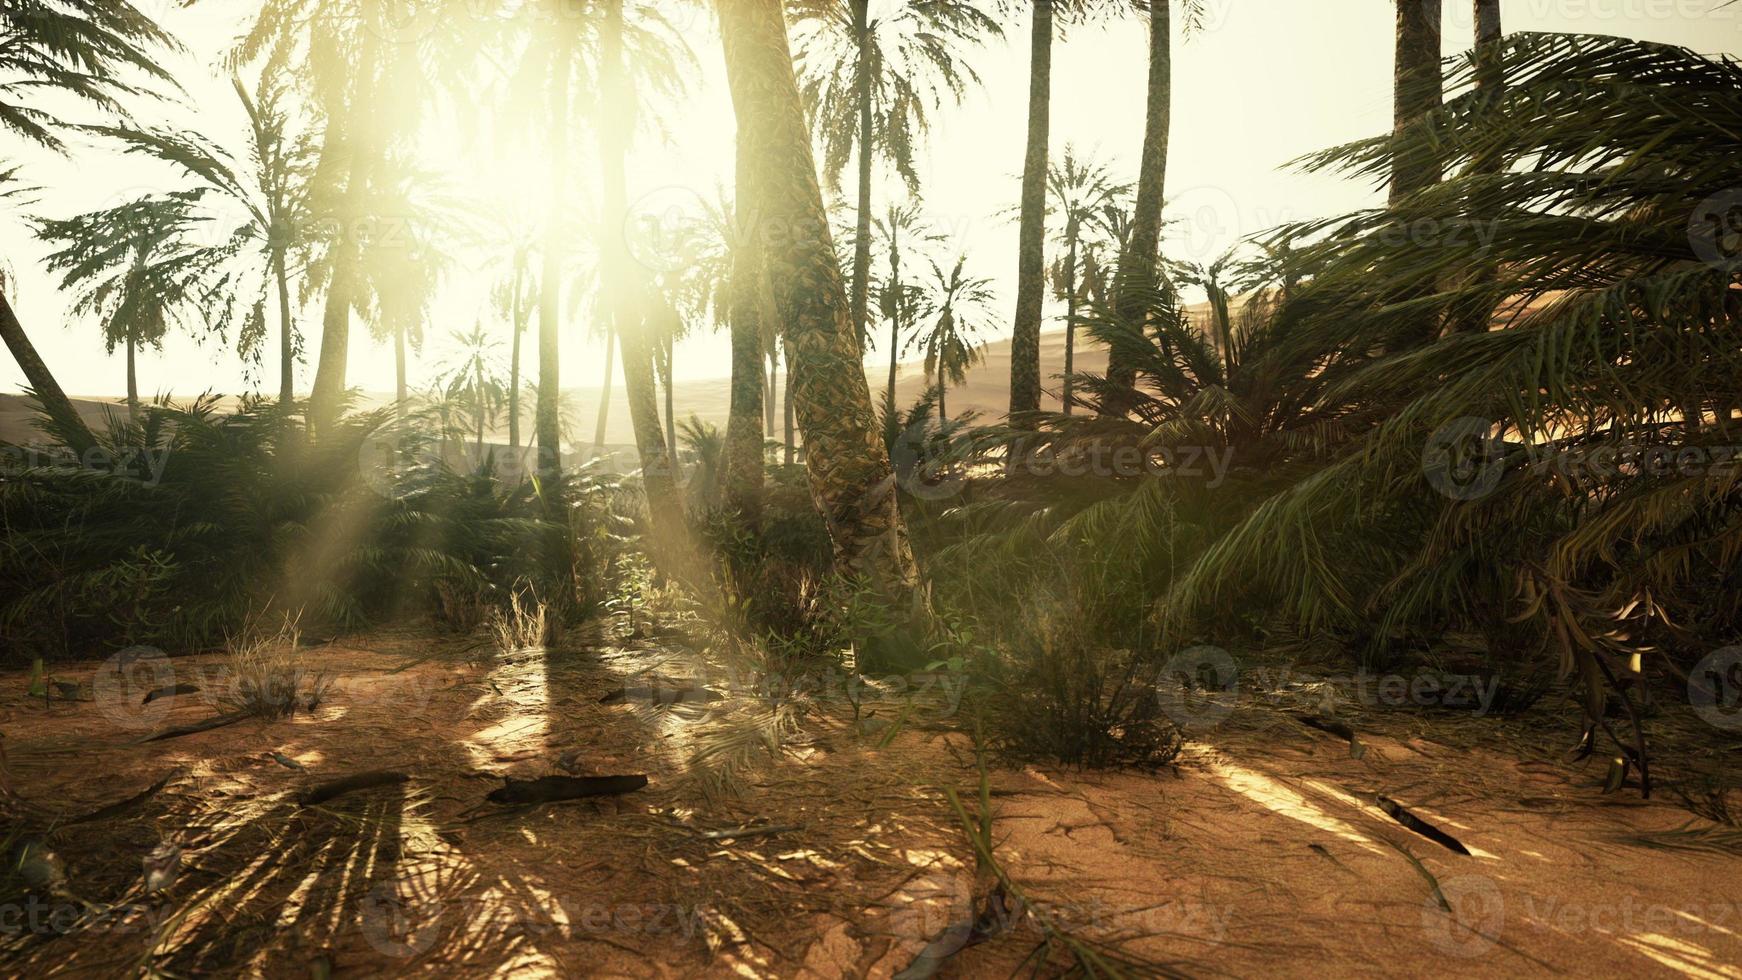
(98, 52)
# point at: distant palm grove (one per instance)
(1500, 405)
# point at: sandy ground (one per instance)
(1260, 852)
(986, 393)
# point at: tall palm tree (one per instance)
(961, 310)
(870, 83)
(1083, 192)
(750, 321)
(850, 475)
(626, 287)
(259, 200)
(84, 48)
(513, 297)
(903, 234)
(1491, 84)
(1143, 242)
(134, 267)
(472, 380)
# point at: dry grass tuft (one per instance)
(268, 678)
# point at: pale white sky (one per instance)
(1267, 81)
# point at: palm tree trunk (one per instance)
(747, 300)
(771, 394)
(547, 424)
(1070, 319)
(627, 309)
(1031, 248)
(1137, 265)
(401, 391)
(1418, 91)
(132, 378)
(943, 406)
(330, 370)
(670, 405)
(55, 403)
(286, 334)
(519, 314)
(605, 390)
(850, 476)
(862, 244)
(1491, 85)
(478, 383)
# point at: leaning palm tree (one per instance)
(135, 269)
(1083, 193)
(850, 475)
(84, 48)
(962, 310)
(870, 81)
(259, 201)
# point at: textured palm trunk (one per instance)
(850, 476)
(286, 334)
(1031, 246)
(1491, 85)
(547, 422)
(1070, 315)
(605, 390)
(401, 391)
(519, 314)
(943, 404)
(1417, 92)
(47, 390)
(627, 308)
(747, 314)
(1136, 272)
(478, 387)
(862, 244)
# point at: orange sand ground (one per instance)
(1261, 852)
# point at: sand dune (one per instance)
(986, 392)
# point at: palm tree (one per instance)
(1491, 82)
(133, 267)
(472, 380)
(626, 288)
(1142, 248)
(870, 83)
(902, 233)
(262, 195)
(850, 475)
(513, 297)
(1618, 333)
(963, 308)
(1083, 192)
(83, 48)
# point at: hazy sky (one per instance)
(1265, 82)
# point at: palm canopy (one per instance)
(256, 201)
(962, 308)
(84, 48)
(1492, 483)
(912, 57)
(136, 266)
